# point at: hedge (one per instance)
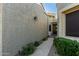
(66, 47)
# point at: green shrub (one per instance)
(30, 48)
(36, 43)
(66, 47)
(27, 50)
(44, 39)
(40, 42)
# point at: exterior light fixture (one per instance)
(35, 18)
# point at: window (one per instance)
(72, 24)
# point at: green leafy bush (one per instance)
(30, 48)
(27, 50)
(44, 39)
(66, 47)
(36, 43)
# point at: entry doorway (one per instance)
(52, 29)
(54, 26)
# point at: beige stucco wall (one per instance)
(19, 26)
(51, 19)
(62, 20)
(0, 29)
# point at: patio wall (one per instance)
(0, 29)
(19, 26)
(61, 19)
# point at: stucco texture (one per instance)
(0, 29)
(19, 26)
(62, 19)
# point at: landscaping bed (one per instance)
(30, 48)
(66, 47)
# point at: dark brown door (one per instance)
(54, 28)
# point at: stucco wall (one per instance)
(50, 20)
(19, 26)
(0, 29)
(62, 5)
(62, 20)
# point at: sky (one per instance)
(50, 7)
